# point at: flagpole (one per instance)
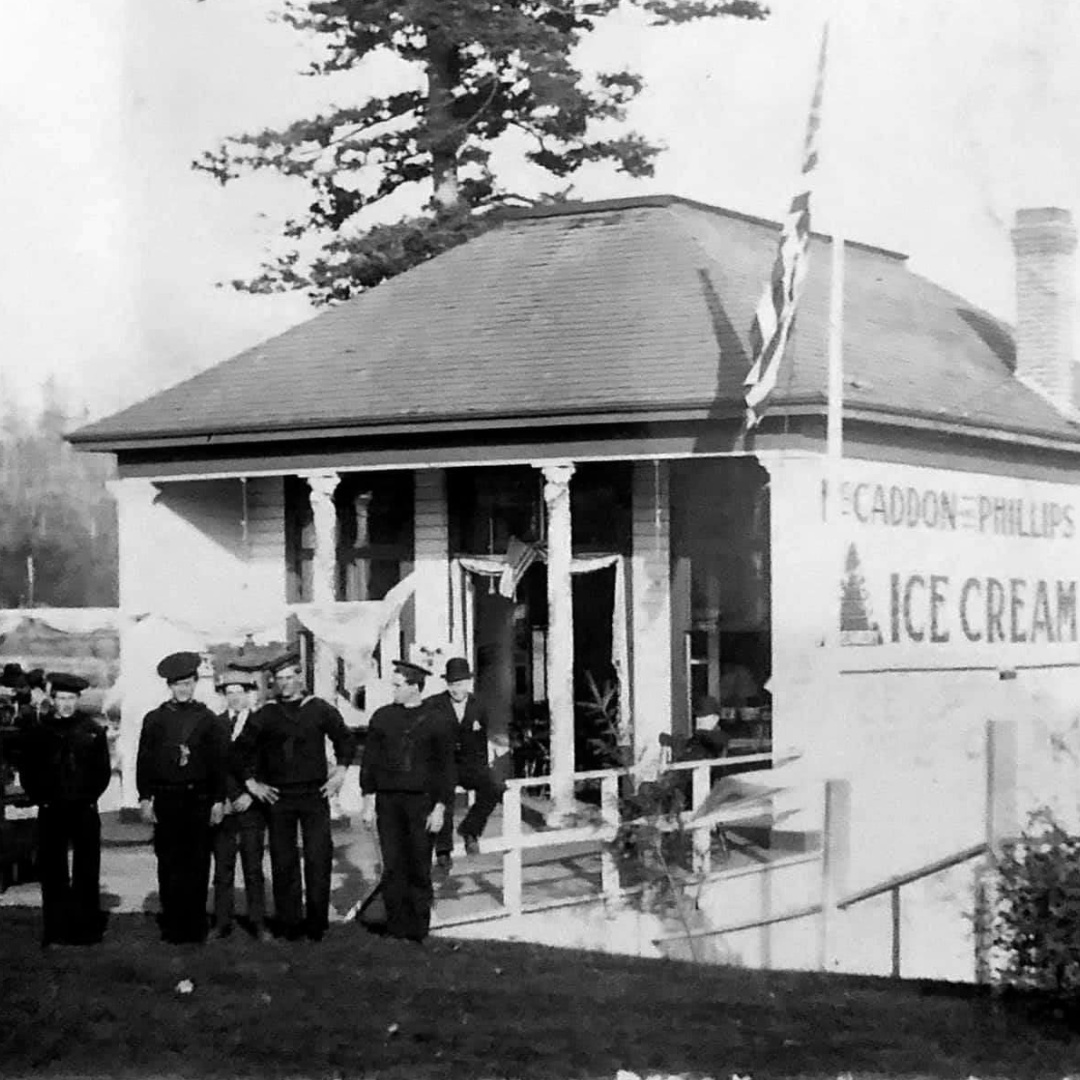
(834, 423)
(835, 415)
(834, 480)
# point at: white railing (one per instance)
(1000, 825)
(602, 829)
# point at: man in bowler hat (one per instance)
(283, 750)
(408, 773)
(181, 775)
(243, 830)
(64, 768)
(463, 710)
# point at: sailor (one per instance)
(181, 777)
(243, 830)
(64, 769)
(283, 750)
(407, 776)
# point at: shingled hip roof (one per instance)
(632, 308)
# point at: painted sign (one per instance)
(956, 568)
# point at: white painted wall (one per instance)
(934, 549)
(188, 578)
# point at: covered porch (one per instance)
(595, 599)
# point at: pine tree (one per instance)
(485, 69)
(856, 626)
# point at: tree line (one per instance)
(58, 523)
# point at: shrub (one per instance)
(654, 849)
(1036, 926)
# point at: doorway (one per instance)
(510, 646)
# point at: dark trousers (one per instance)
(182, 847)
(401, 817)
(488, 795)
(310, 813)
(70, 902)
(244, 835)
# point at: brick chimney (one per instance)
(1044, 241)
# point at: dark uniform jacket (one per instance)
(63, 761)
(234, 770)
(284, 743)
(181, 748)
(410, 750)
(471, 733)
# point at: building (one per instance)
(542, 428)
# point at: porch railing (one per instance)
(833, 854)
(1000, 824)
(602, 829)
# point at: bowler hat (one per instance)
(457, 669)
(35, 678)
(179, 665)
(63, 683)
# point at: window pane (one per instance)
(489, 505)
(600, 507)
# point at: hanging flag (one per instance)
(775, 312)
(519, 557)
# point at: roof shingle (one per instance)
(638, 305)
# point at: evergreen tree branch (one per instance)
(485, 68)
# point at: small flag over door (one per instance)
(775, 312)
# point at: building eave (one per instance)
(429, 425)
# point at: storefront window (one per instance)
(721, 585)
(374, 534)
(490, 505)
(600, 507)
(299, 540)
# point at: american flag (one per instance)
(775, 312)
(519, 557)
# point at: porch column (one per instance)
(324, 570)
(432, 560)
(560, 644)
(650, 591)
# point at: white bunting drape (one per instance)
(492, 566)
(63, 620)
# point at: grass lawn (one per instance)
(355, 1006)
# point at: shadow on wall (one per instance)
(214, 507)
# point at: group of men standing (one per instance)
(218, 786)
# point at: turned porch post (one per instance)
(560, 643)
(324, 572)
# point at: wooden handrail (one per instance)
(513, 843)
(753, 924)
(900, 880)
(675, 766)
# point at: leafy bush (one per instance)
(653, 848)
(1036, 924)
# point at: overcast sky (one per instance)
(940, 120)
